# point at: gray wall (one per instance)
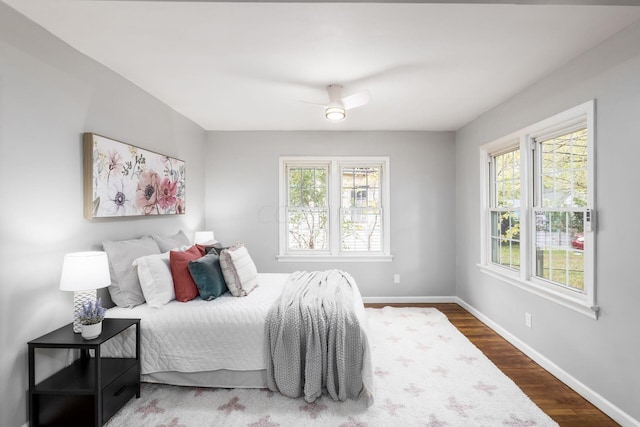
(603, 354)
(242, 202)
(49, 95)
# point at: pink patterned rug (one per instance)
(426, 374)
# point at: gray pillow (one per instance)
(167, 243)
(125, 287)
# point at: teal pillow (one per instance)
(207, 275)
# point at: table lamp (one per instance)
(83, 273)
(203, 237)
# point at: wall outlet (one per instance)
(527, 319)
(396, 278)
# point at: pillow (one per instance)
(205, 249)
(155, 278)
(207, 275)
(239, 270)
(125, 287)
(217, 247)
(183, 285)
(166, 243)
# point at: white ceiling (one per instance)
(247, 66)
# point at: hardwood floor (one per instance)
(556, 399)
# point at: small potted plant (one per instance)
(90, 316)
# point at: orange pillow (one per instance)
(185, 287)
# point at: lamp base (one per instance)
(81, 298)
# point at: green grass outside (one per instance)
(564, 266)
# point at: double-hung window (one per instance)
(560, 205)
(334, 208)
(505, 208)
(538, 208)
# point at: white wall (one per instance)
(242, 202)
(49, 95)
(602, 354)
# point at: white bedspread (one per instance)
(226, 333)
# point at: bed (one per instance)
(222, 342)
(217, 343)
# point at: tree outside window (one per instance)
(307, 215)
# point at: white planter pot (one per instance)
(90, 332)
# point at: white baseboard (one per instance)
(408, 300)
(596, 399)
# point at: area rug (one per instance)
(426, 374)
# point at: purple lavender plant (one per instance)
(91, 313)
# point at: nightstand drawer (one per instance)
(116, 394)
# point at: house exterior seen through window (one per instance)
(361, 209)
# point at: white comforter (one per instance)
(226, 333)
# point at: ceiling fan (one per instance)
(336, 109)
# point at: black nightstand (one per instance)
(92, 389)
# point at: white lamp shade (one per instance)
(203, 237)
(84, 271)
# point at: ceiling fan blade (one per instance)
(356, 100)
(315, 104)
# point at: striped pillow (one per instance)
(238, 270)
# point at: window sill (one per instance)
(574, 302)
(334, 258)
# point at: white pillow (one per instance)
(238, 270)
(156, 280)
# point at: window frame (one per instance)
(334, 251)
(342, 166)
(525, 139)
(287, 209)
(493, 200)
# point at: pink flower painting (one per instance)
(147, 192)
(115, 163)
(167, 195)
(125, 180)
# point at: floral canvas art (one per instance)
(125, 180)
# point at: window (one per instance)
(361, 209)
(307, 207)
(559, 209)
(538, 199)
(334, 208)
(505, 209)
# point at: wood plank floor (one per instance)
(556, 399)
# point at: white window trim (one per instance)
(584, 303)
(505, 147)
(334, 253)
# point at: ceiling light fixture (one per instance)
(335, 113)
